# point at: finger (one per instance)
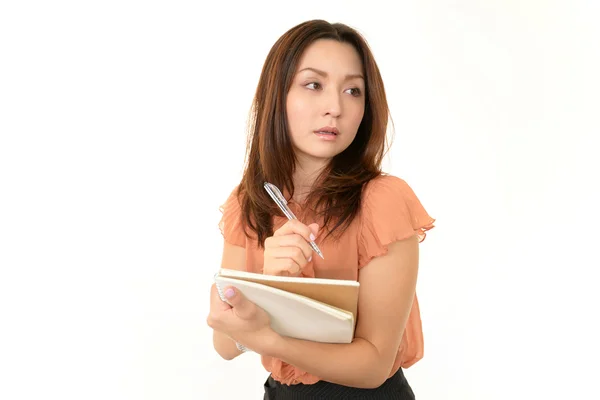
(295, 226)
(295, 255)
(281, 267)
(218, 309)
(242, 307)
(294, 240)
(215, 299)
(314, 227)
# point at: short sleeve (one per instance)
(390, 212)
(231, 221)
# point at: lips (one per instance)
(328, 130)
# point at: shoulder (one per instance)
(390, 211)
(386, 188)
(233, 200)
(231, 223)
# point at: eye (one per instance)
(356, 92)
(317, 85)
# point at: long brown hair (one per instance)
(270, 155)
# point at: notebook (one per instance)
(315, 309)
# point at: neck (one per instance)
(307, 171)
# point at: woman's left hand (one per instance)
(243, 321)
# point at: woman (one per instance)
(318, 132)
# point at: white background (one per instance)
(123, 129)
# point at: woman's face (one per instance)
(327, 93)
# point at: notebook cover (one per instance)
(296, 316)
(338, 293)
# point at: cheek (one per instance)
(298, 112)
(296, 107)
(357, 114)
(360, 112)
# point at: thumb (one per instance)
(241, 305)
(314, 228)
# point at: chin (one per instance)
(321, 155)
(320, 151)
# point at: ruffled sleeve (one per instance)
(231, 221)
(390, 212)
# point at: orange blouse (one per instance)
(390, 211)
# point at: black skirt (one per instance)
(395, 388)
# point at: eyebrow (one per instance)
(324, 74)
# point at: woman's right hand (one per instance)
(288, 250)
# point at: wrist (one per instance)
(225, 345)
(274, 344)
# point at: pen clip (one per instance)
(275, 190)
(276, 195)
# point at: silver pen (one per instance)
(278, 198)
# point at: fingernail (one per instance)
(310, 258)
(229, 293)
(312, 237)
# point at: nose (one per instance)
(332, 103)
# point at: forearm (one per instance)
(225, 346)
(357, 364)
